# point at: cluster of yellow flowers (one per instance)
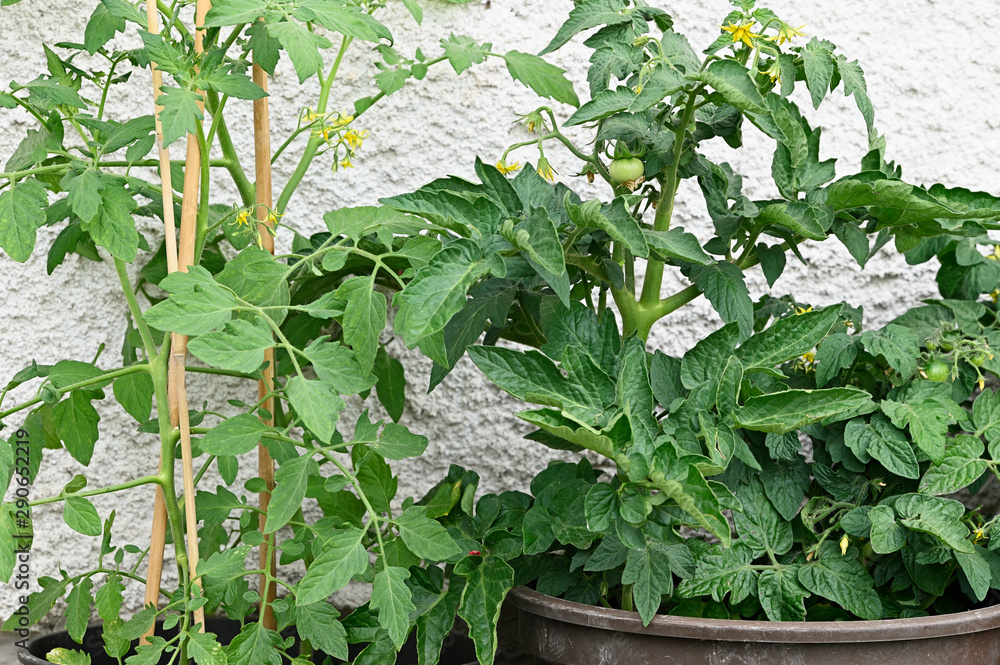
(744, 33)
(246, 222)
(334, 129)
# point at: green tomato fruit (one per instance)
(626, 170)
(936, 371)
(977, 358)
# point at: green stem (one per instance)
(314, 141)
(201, 223)
(665, 208)
(231, 161)
(138, 482)
(133, 306)
(131, 369)
(372, 514)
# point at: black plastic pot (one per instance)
(567, 633)
(458, 649)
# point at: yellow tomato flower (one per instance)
(272, 217)
(787, 33)
(774, 71)
(995, 254)
(844, 542)
(346, 163)
(354, 139)
(979, 535)
(802, 310)
(505, 168)
(741, 33)
(243, 217)
(545, 170)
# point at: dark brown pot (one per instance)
(457, 649)
(567, 633)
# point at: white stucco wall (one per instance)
(932, 78)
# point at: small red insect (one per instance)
(474, 553)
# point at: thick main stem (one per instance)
(665, 209)
(265, 465)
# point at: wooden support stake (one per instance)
(178, 345)
(158, 535)
(265, 465)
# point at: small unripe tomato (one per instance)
(977, 358)
(936, 371)
(625, 170)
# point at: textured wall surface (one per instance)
(933, 84)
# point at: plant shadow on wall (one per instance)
(304, 325)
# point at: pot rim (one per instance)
(742, 630)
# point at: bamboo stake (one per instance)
(158, 535)
(178, 345)
(265, 465)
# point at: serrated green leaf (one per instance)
(205, 649)
(603, 105)
(180, 114)
(488, 579)
(76, 422)
(391, 597)
(239, 346)
(317, 622)
(364, 318)
(927, 421)
(109, 597)
(534, 378)
(898, 345)
(623, 229)
(586, 15)
(438, 292)
(78, 609)
(787, 338)
(316, 403)
(941, 518)
(723, 284)
(234, 436)
(792, 409)
(234, 12)
(843, 580)
(301, 45)
(879, 439)
(545, 79)
(677, 243)
(426, 537)
(817, 62)
(343, 556)
(759, 525)
(732, 80)
(886, 535)
(135, 393)
(255, 645)
(781, 595)
(463, 52)
(348, 20)
(21, 214)
(292, 477)
(961, 466)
